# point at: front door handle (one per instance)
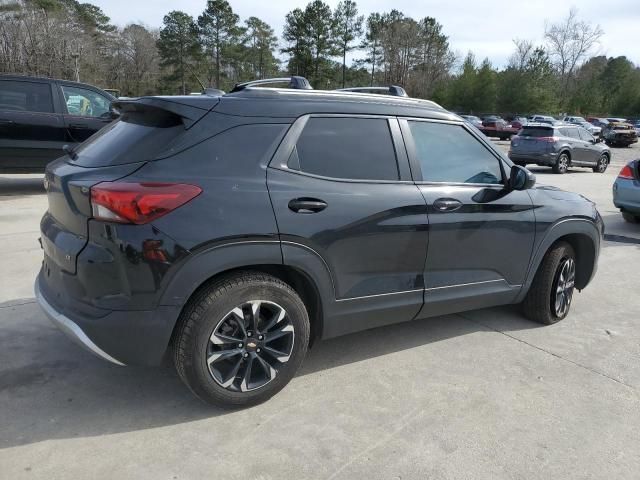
(447, 204)
(307, 205)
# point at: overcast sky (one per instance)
(474, 25)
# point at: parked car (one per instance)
(626, 192)
(169, 233)
(636, 126)
(598, 122)
(519, 122)
(580, 121)
(559, 147)
(473, 120)
(617, 120)
(38, 116)
(618, 134)
(542, 118)
(498, 128)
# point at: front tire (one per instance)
(603, 163)
(549, 298)
(241, 339)
(562, 164)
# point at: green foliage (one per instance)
(219, 33)
(179, 49)
(347, 28)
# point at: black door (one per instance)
(341, 193)
(87, 111)
(480, 237)
(31, 134)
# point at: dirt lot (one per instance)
(484, 394)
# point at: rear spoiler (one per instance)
(189, 108)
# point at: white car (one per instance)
(592, 129)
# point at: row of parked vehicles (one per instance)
(615, 132)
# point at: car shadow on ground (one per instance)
(10, 185)
(52, 389)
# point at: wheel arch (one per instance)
(207, 267)
(584, 238)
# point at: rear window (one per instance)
(128, 140)
(25, 96)
(536, 132)
(347, 148)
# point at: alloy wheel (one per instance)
(603, 163)
(563, 163)
(250, 345)
(564, 286)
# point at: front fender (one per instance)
(574, 230)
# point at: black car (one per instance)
(559, 147)
(38, 116)
(230, 232)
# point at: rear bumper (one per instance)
(626, 195)
(123, 337)
(548, 159)
(71, 329)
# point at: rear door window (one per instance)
(21, 96)
(346, 148)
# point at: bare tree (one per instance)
(520, 58)
(568, 44)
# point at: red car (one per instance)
(499, 129)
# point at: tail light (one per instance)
(548, 139)
(626, 172)
(138, 203)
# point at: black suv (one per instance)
(559, 147)
(38, 116)
(230, 232)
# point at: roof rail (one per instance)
(295, 82)
(394, 90)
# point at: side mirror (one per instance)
(521, 179)
(113, 112)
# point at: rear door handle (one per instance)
(447, 204)
(307, 205)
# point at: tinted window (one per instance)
(85, 103)
(584, 135)
(536, 132)
(128, 140)
(350, 148)
(449, 153)
(25, 96)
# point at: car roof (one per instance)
(31, 78)
(288, 103)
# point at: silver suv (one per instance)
(559, 147)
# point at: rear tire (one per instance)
(549, 298)
(631, 218)
(603, 163)
(562, 164)
(241, 339)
